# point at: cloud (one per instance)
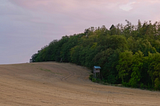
(127, 7)
(90, 10)
(79, 14)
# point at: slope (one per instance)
(64, 84)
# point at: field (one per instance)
(64, 84)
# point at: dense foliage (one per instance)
(128, 54)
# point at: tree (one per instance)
(154, 69)
(124, 65)
(137, 66)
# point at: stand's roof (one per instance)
(97, 67)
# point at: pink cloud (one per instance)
(69, 5)
(93, 10)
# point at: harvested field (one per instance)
(64, 84)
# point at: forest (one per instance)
(128, 54)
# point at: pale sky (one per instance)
(28, 25)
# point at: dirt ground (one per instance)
(64, 84)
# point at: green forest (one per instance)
(128, 54)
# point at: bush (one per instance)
(94, 80)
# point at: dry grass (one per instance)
(64, 84)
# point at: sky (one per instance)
(28, 25)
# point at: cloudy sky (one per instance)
(28, 25)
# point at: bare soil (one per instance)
(64, 84)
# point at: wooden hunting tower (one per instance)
(96, 70)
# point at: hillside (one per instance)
(64, 84)
(128, 54)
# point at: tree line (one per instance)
(128, 54)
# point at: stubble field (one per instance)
(64, 84)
